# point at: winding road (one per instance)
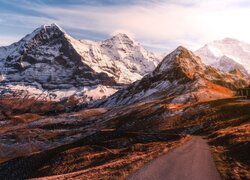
(191, 161)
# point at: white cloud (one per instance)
(7, 40)
(190, 23)
(12, 19)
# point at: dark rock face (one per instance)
(47, 57)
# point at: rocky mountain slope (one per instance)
(227, 55)
(182, 78)
(49, 61)
(120, 57)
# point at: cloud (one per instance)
(5, 40)
(161, 25)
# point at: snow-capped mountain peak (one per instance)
(216, 52)
(181, 59)
(47, 57)
(120, 42)
(122, 37)
(45, 31)
(229, 40)
(50, 59)
(228, 64)
(120, 57)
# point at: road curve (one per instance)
(191, 161)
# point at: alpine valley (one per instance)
(83, 109)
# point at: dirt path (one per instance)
(191, 161)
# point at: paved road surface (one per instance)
(191, 161)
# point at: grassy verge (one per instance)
(227, 166)
(221, 164)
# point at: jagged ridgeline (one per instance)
(49, 59)
(183, 78)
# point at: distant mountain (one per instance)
(119, 57)
(227, 64)
(49, 60)
(182, 78)
(227, 55)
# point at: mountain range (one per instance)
(82, 109)
(50, 64)
(183, 78)
(49, 61)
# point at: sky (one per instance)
(159, 25)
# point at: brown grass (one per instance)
(108, 155)
(87, 113)
(10, 106)
(27, 117)
(230, 148)
(120, 163)
(226, 123)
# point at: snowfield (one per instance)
(84, 94)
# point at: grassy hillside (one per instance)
(125, 138)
